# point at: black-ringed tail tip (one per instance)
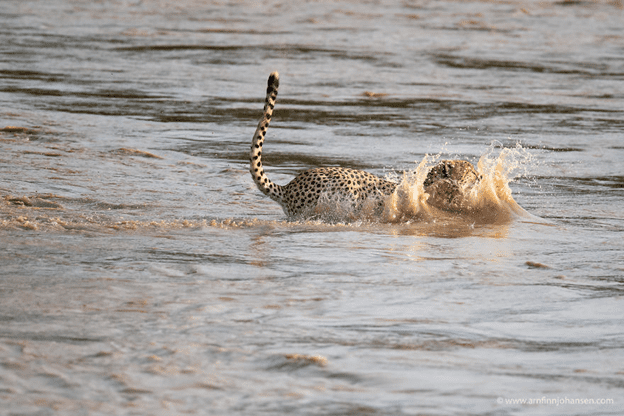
(300, 197)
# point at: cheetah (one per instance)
(302, 196)
(448, 184)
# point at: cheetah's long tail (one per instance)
(263, 183)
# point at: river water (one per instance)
(142, 272)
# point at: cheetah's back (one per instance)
(304, 191)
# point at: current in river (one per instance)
(143, 273)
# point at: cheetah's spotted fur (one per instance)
(302, 194)
(447, 183)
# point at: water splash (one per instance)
(492, 198)
(490, 201)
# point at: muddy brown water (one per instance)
(142, 273)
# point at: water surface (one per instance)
(143, 273)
